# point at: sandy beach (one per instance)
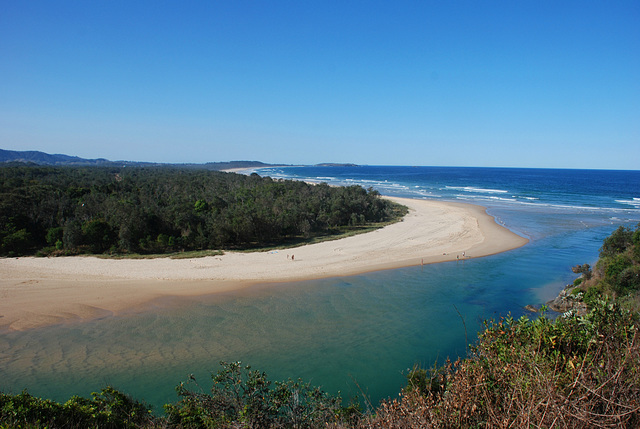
(42, 291)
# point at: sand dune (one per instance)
(42, 291)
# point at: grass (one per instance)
(177, 255)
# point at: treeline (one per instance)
(158, 210)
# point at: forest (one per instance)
(144, 210)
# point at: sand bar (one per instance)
(42, 291)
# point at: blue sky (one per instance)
(475, 83)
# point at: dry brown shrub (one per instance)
(575, 373)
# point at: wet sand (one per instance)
(42, 291)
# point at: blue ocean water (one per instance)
(531, 202)
(356, 334)
(609, 190)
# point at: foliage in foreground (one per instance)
(107, 409)
(239, 398)
(242, 397)
(574, 372)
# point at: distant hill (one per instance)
(42, 158)
(227, 165)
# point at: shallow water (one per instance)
(356, 334)
(345, 334)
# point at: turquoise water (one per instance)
(356, 334)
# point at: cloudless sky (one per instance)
(457, 83)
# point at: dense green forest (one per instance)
(70, 210)
(571, 372)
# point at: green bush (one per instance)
(615, 266)
(617, 242)
(244, 397)
(591, 296)
(108, 409)
(17, 243)
(54, 235)
(628, 280)
(427, 381)
(97, 234)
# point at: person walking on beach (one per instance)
(292, 257)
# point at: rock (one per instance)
(565, 302)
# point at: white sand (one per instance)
(41, 291)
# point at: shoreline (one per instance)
(45, 291)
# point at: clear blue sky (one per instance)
(474, 83)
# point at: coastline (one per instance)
(43, 291)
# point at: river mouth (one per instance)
(357, 335)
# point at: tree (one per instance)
(128, 209)
(617, 242)
(17, 243)
(98, 235)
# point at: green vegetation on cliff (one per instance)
(616, 274)
(69, 210)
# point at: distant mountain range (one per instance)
(41, 158)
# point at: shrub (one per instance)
(617, 242)
(616, 266)
(576, 372)
(98, 235)
(17, 243)
(427, 381)
(108, 408)
(591, 296)
(628, 280)
(54, 235)
(244, 397)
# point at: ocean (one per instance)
(357, 335)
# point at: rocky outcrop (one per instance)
(566, 301)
